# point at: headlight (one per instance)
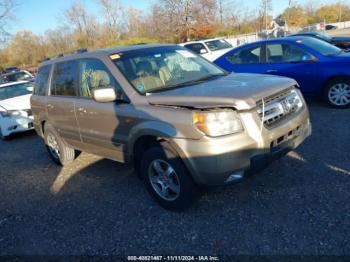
(10, 113)
(217, 123)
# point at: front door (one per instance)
(288, 60)
(102, 126)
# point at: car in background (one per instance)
(2, 80)
(21, 75)
(342, 42)
(331, 27)
(11, 69)
(15, 113)
(320, 68)
(210, 49)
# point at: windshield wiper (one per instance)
(188, 83)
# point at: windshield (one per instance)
(19, 76)
(219, 44)
(157, 69)
(12, 91)
(322, 47)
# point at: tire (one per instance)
(180, 180)
(337, 93)
(2, 137)
(60, 153)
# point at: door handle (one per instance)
(272, 71)
(82, 110)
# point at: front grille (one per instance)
(274, 108)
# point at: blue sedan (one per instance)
(321, 69)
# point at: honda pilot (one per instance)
(181, 121)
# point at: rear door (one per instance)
(60, 102)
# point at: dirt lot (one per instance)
(299, 205)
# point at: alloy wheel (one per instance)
(164, 180)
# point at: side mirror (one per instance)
(203, 51)
(104, 95)
(308, 58)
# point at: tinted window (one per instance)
(246, 56)
(41, 80)
(15, 90)
(279, 53)
(197, 47)
(94, 74)
(64, 79)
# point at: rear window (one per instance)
(41, 80)
(322, 47)
(219, 44)
(64, 80)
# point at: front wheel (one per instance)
(167, 179)
(337, 93)
(2, 137)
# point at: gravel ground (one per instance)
(299, 205)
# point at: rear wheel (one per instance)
(60, 153)
(337, 93)
(167, 179)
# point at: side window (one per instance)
(246, 56)
(94, 74)
(64, 79)
(41, 80)
(284, 53)
(197, 47)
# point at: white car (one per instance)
(15, 111)
(210, 49)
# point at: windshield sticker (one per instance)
(115, 56)
(140, 87)
(185, 53)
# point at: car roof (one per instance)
(202, 40)
(102, 52)
(13, 83)
(290, 39)
(306, 33)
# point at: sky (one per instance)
(41, 15)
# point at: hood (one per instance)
(216, 54)
(240, 91)
(16, 103)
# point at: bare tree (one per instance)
(84, 25)
(113, 13)
(265, 8)
(6, 15)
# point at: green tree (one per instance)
(295, 16)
